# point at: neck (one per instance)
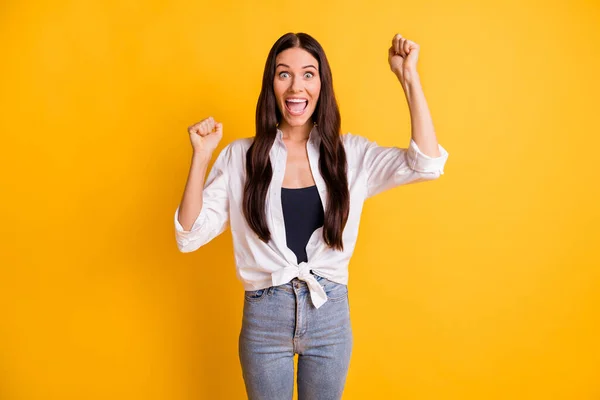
(296, 133)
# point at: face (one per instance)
(297, 86)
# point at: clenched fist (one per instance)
(206, 135)
(403, 56)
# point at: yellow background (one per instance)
(483, 284)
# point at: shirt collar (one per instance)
(313, 137)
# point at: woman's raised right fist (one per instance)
(206, 135)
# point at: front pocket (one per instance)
(255, 295)
(335, 291)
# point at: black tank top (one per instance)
(303, 213)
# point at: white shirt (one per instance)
(372, 169)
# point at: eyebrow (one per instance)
(287, 66)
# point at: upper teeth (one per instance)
(296, 100)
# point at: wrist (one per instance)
(408, 78)
(411, 89)
(201, 155)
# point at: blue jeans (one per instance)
(281, 321)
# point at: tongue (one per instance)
(296, 107)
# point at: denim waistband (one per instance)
(300, 284)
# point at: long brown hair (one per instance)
(332, 164)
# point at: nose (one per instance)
(296, 85)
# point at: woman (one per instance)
(293, 195)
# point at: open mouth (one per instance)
(296, 107)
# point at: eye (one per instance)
(309, 73)
(281, 73)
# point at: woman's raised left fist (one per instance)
(403, 56)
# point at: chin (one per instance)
(295, 121)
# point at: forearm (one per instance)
(191, 203)
(422, 130)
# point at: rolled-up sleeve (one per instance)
(388, 167)
(214, 215)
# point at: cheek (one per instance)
(278, 90)
(316, 91)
